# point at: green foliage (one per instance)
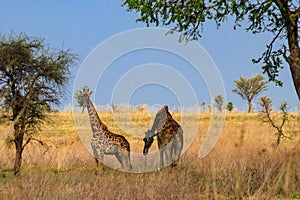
(219, 100)
(188, 16)
(281, 18)
(9, 140)
(78, 96)
(5, 174)
(33, 77)
(229, 106)
(249, 88)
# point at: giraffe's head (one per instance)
(85, 93)
(148, 140)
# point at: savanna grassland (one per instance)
(244, 164)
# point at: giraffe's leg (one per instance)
(119, 157)
(124, 159)
(99, 160)
(178, 152)
(172, 153)
(175, 154)
(95, 153)
(161, 156)
(177, 146)
(168, 153)
(128, 166)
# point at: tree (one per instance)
(32, 78)
(249, 88)
(79, 98)
(280, 17)
(229, 106)
(113, 107)
(266, 114)
(203, 107)
(219, 100)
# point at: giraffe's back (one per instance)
(118, 140)
(170, 130)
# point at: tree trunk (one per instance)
(18, 156)
(249, 107)
(280, 134)
(294, 62)
(18, 160)
(294, 58)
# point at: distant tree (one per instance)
(113, 107)
(219, 100)
(249, 88)
(32, 78)
(266, 113)
(79, 98)
(229, 106)
(203, 107)
(280, 18)
(209, 109)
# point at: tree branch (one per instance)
(297, 12)
(27, 142)
(284, 136)
(284, 53)
(32, 138)
(270, 46)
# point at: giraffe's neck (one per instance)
(97, 125)
(160, 120)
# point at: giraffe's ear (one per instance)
(91, 93)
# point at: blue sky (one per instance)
(82, 25)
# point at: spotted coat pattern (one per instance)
(104, 141)
(169, 136)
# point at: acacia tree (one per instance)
(79, 97)
(279, 17)
(249, 88)
(219, 100)
(203, 107)
(229, 106)
(32, 78)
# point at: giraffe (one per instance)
(169, 137)
(104, 141)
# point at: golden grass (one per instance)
(244, 164)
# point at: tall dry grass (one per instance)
(245, 164)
